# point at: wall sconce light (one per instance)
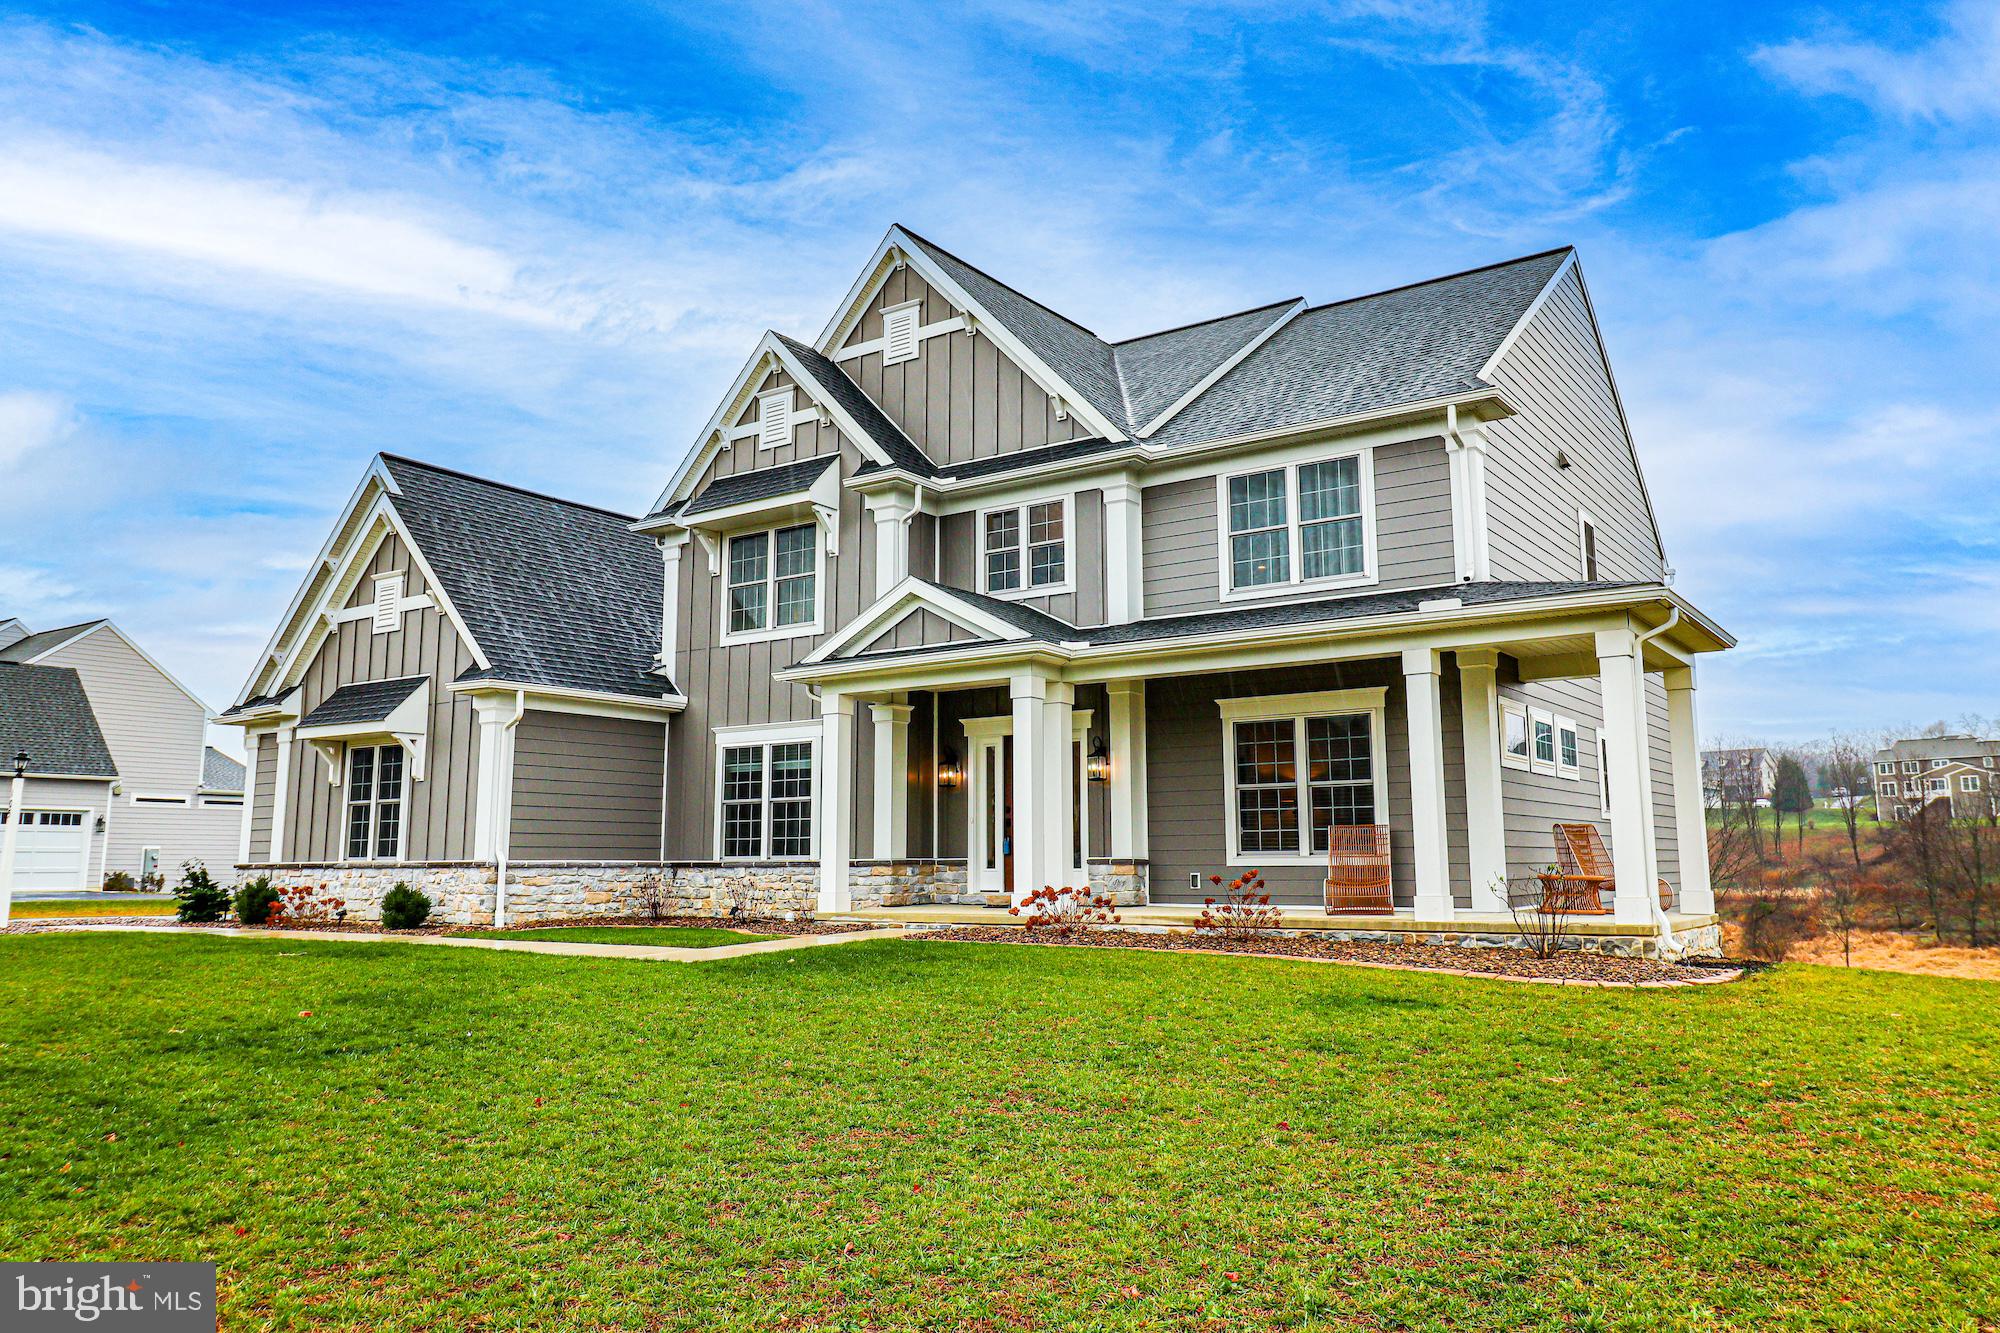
(949, 773)
(1098, 765)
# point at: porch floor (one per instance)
(1171, 916)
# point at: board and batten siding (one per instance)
(1556, 374)
(263, 750)
(587, 788)
(1084, 605)
(439, 809)
(1413, 545)
(1187, 800)
(962, 397)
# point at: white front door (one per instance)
(991, 855)
(53, 849)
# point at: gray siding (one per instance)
(962, 398)
(1187, 805)
(1084, 606)
(1412, 530)
(439, 809)
(1556, 373)
(587, 788)
(264, 788)
(922, 629)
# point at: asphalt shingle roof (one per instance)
(832, 382)
(1158, 368)
(26, 650)
(362, 702)
(219, 772)
(763, 484)
(44, 711)
(555, 593)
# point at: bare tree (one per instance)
(1842, 897)
(1846, 769)
(1734, 850)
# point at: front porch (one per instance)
(1145, 767)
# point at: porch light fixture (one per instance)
(21, 764)
(1098, 765)
(949, 773)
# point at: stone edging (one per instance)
(665, 953)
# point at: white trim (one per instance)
(588, 703)
(906, 317)
(1573, 770)
(1603, 776)
(1589, 546)
(775, 421)
(1296, 583)
(1020, 510)
(405, 798)
(159, 798)
(890, 608)
(1539, 717)
(1511, 710)
(772, 629)
(763, 736)
(1528, 315)
(1236, 358)
(1371, 702)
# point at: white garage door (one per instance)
(52, 849)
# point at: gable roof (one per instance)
(220, 773)
(763, 484)
(29, 647)
(44, 711)
(555, 593)
(833, 383)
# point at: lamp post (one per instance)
(11, 841)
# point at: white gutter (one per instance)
(1639, 658)
(505, 830)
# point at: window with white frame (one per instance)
(1912, 766)
(1936, 785)
(1301, 524)
(1603, 776)
(766, 806)
(899, 332)
(1299, 765)
(1541, 740)
(1888, 789)
(1513, 733)
(1885, 767)
(1968, 782)
(1939, 763)
(375, 803)
(773, 583)
(1567, 755)
(1586, 542)
(1025, 548)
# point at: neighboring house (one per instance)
(1910, 774)
(1739, 775)
(45, 714)
(176, 799)
(960, 599)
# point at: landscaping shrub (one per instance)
(1245, 909)
(256, 900)
(118, 881)
(1058, 910)
(404, 908)
(199, 896)
(304, 905)
(1773, 919)
(1546, 934)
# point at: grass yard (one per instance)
(676, 937)
(905, 1135)
(42, 909)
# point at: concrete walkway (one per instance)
(652, 952)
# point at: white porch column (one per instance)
(1124, 556)
(1128, 769)
(1427, 828)
(835, 775)
(281, 794)
(891, 510)
(1690, 812)
(1059, 780)
(892, 780)
(252, 742)
(1620, 679)
(493, 777)
(671, 547)
(1485, 815)
(1465, 458)
(1032, 796)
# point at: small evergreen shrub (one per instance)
(199, 897)
(255, 901)
(118, 881)
(404, 908)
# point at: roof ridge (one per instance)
(1199, 323)
(1080, 328)
(1443, 277)
(504, 486)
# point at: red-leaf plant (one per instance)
(1066, 909)
(1245, 909)
(303, 905)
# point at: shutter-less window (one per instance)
(899, 333)
(774, 419)
(388, 603)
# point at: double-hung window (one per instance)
(773, 583)
(1299, 765)
(1888, 789)
(1885, 767)
(1968, 782)
(1305, 524)
(767, 801)
(375, 803)
(1025, 548)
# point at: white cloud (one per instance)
(30, 422)
(1956, 76)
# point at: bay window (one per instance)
(1301, 525)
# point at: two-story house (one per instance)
(1913, 773)
(174, 797)
(958, 599)
(1743, 774)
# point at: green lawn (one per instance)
(678, 937)
(43, 909)
(900, 1134)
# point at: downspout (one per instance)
(503, 829)
(1639, 660)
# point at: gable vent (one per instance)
(388, 603)
(774, 419)
(899, 333)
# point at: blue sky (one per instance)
(242, 248)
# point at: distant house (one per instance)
(1912, 774)
(45, 715)
(171, 797)
(1749, 774)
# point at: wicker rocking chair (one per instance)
(1583, 874)
(1357, 870)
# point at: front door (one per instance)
(992, 803)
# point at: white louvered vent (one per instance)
(899, 333)
(388, 603)
(774, 419)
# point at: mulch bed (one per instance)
(753, 925)
(1573, 965)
